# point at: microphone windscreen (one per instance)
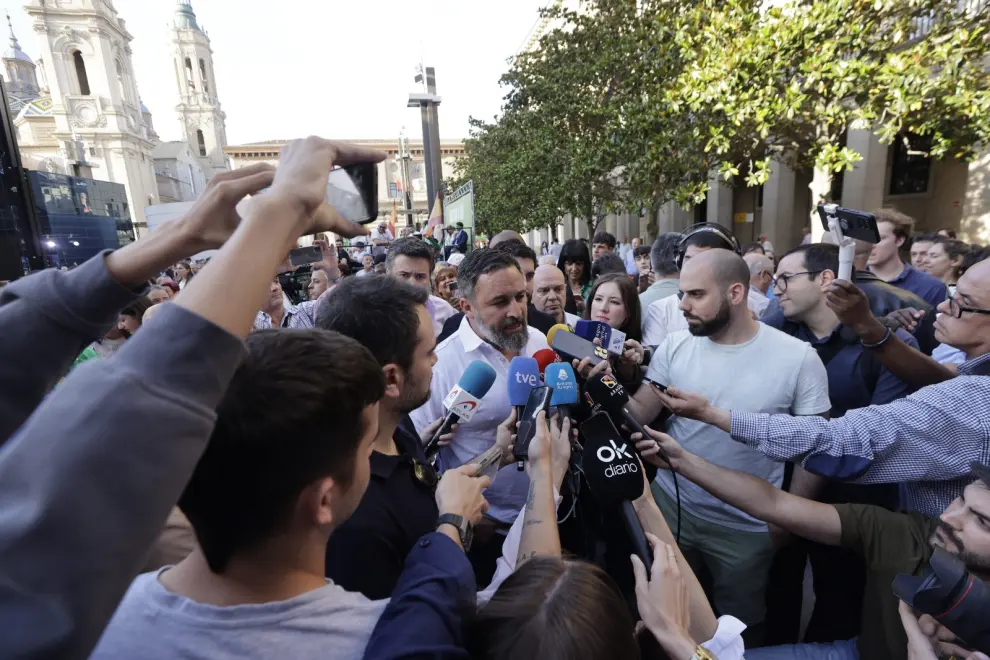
(477, 379)
(544, 358)
(610, 465)
(524, 375)
(560, 376)
(607, 392)
(584, 330)
(560, 327)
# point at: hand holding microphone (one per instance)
(462, 401)
(445, 439)
(663, 600)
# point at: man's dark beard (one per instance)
(974, 562)
(715, 325)
(405, 406)
(512, 342)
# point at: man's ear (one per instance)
(393, 380)
(316, 502)
(827, 278)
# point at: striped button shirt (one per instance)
(926, 440)
(302, 315)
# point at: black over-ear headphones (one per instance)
(720, 232)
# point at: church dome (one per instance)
(15, 52)
(144, 108)
(185, 17)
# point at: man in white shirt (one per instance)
(730, 356)
(760, 279)
(666, 316)
(411, 260)
(549, 294)
(382, 235)
(494, 330)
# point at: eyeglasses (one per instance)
(956, 309)
(780, 282)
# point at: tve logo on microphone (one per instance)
(533, 380)
(612, 452)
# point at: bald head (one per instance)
(506, 235)
(723, 267)
(151, 311)
(549, 291)
(758, 263)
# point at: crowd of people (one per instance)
(215, 461)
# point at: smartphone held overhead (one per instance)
(353, 192)
(305, 255)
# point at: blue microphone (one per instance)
(524, 375)
(608, 337)
(462, 401)
(560, 376)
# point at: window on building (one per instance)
(202, 76)
(201, 141)
(911, 165)
(192, 179)
(189, 74)
(77, 60)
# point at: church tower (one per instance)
(94, 94)
(199, 106)
(22, 75)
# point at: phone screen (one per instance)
(353, 192)
(305, 255)
(539, 399)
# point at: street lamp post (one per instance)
(428, 102)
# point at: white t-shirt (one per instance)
(664, 317)
(771, 373)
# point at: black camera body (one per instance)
(951, 595)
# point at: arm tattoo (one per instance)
(531, 498)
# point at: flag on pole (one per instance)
(394, 221)
(436, 217)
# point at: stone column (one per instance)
(673, 218)
(863, 187)
(975, 223)
(719, 202)
(778, 203)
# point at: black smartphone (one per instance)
(571, 347)
(539, 399)
(353, 191)
(305, 255)
(854, 224)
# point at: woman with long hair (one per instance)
(443, 276)
(183, 273)
(614, 300)
(575, 263)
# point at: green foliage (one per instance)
(629, 104)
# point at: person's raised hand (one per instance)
(663, 601)
(653, 448)
(505, 436)
(460, 492)
(301, 180)
(586, 370)
(907, 318)
(633, 353)
(563, 436)
(430, 429)
(684, 404)
(540, 453)
(852, 307)
(214, 217)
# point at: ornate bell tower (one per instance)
(199, 105)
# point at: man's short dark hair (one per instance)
(641, 251)
(481, 262)
(380, 312)
(818, 257)
(708, 239)
(516, 249)
(291, 415)
(663, 254)
(137, 308)
(609, 262)
(409, 247)
(605, 238)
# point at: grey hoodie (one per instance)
(89, 476)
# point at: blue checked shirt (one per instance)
(927, 439)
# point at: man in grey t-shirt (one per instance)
(729, 356)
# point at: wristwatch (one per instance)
(464, 527)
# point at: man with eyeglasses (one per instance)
(856, 379)
(926, 440)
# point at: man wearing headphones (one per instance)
(665, 316)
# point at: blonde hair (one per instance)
(903, 224)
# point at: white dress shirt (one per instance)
(757, 301)
(440, 310)
(508, 491)
(665, 316)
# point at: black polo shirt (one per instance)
(368, 552)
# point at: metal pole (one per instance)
(16, 191)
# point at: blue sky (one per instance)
(290, 68)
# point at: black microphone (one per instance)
(605, 391)
(615, 476)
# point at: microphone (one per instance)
(560, 327)
(544, 358)
(612, 340)
(607, 392)
(571, 347)
(614, 475)
(462, 401)
(560, 376)
(524, 375)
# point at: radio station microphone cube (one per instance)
(615, 477)
(524, 375)
(544, 358)
(560, 376)
(608, 393)
(462, 400)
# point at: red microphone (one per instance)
(544, 358)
